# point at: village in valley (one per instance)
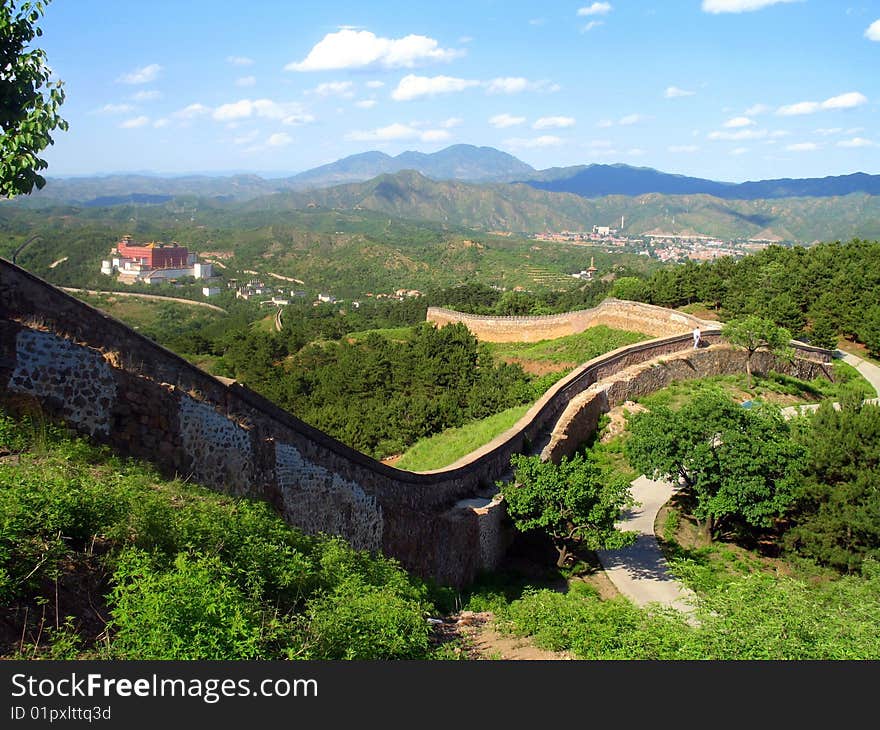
(667, 247)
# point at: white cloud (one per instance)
(537, 21)
(631, 119)
(845, 101)
(779, 133)
(375, 84)
(673, 92)
(143, 75)
(434, 135)
(240, 60)
(592, 24)
(266, 108)
(739, 135)
(873, 31)
(115, 109)
(501, 121)
(397, 131)
(604, 123)
(366, 103)
(802, 147)
(451, 122)
(683, 148)
(412, 86)
(517, 84)
(737, 122)
(545, 140)
(842, 101)
(334, 88)
(135, 122)
(856, 142)
(349, 48)
(828, 131)
(738, 6)
(635, 152)
(279, 139)
(757, 109)
(739, 151)
(146, 95)
(246, 81)
(192, 111)
(553, 123)
(600, 144)
(163, 122)
(595, 9)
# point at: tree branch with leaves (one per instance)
(29, 99)
(575, 502)
(755, 333)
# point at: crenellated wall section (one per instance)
(106, 380)
(615, 313)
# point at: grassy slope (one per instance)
(566, 352)
(450, 445)
(101, 558)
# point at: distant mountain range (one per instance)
(463, 163)
(459, 162)
(520, 208)
(595, 181)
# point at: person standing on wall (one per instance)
(696, 337)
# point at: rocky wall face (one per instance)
(77, 380)
(220, 450)
(317, 500)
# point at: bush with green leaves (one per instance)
(187, 573)
(575, 502)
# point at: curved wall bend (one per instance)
(104, 379)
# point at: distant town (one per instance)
(671, 247)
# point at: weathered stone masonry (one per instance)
(104, 379)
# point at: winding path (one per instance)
(640, 572)
(158, 297)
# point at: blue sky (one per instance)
(726, 89)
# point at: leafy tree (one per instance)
(869, 332)
(630, 287)
(29, 101)
(823, 331)
(574, 502)
(754, 333)
(837, 522)
(738, 464)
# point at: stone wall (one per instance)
(615, 313)
(79, 365)
(580, 418)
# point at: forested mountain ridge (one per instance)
(522, 209)
(596, 181)
(460, 162)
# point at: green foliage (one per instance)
(869, 330)
(753, 333)
(187, 573)
(567, 350)
(753, 617)
(575, 502)
(448, 446)
(192, 610)
(30, 101)
(838, 518)
(739, 464)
